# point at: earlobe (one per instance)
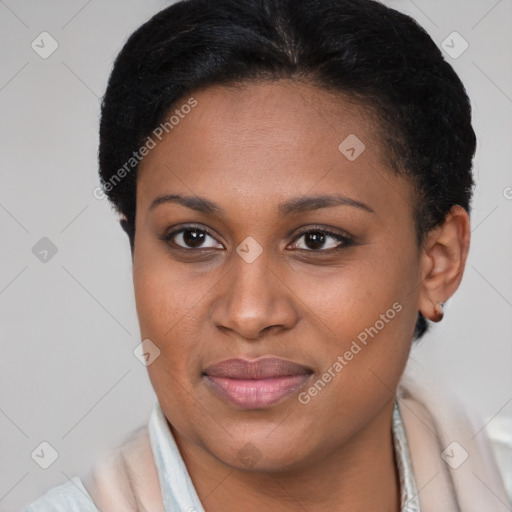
(444, 258)
(438, 312)
(123, 221)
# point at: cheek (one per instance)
(167, 308)
(369, 314)
(164, 295)
(172, 308)
(347, 299)
(164, 309)
(162, 313)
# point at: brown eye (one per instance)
(192, 238)
(319, 240)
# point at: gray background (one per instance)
(68, 325)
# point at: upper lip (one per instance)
(261, 368)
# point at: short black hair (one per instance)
(369, 52)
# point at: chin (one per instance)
(257, 452)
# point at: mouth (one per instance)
(256, 384)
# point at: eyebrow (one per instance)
(294, 205)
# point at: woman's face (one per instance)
(251, 264)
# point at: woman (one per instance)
(295, 180)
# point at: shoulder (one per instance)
(68, 497)
(125, 474)
(499, 433)
(490, 446)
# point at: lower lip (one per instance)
(256, 393)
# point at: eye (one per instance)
(322, 240)
(192, 237)
(315, 240)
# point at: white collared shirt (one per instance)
(178, 491)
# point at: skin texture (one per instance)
(248, 149)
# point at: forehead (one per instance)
(266, 140)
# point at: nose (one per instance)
(254, 299)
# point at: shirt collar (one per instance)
(178, 491)
(408, 492)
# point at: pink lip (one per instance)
(256, 384)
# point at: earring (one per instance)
(438, 311)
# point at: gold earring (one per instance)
(438, 312)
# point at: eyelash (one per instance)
(345, 240)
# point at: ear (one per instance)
(123, 221)
(443, 257)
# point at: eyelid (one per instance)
(330, 231)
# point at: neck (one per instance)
(360, 475)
